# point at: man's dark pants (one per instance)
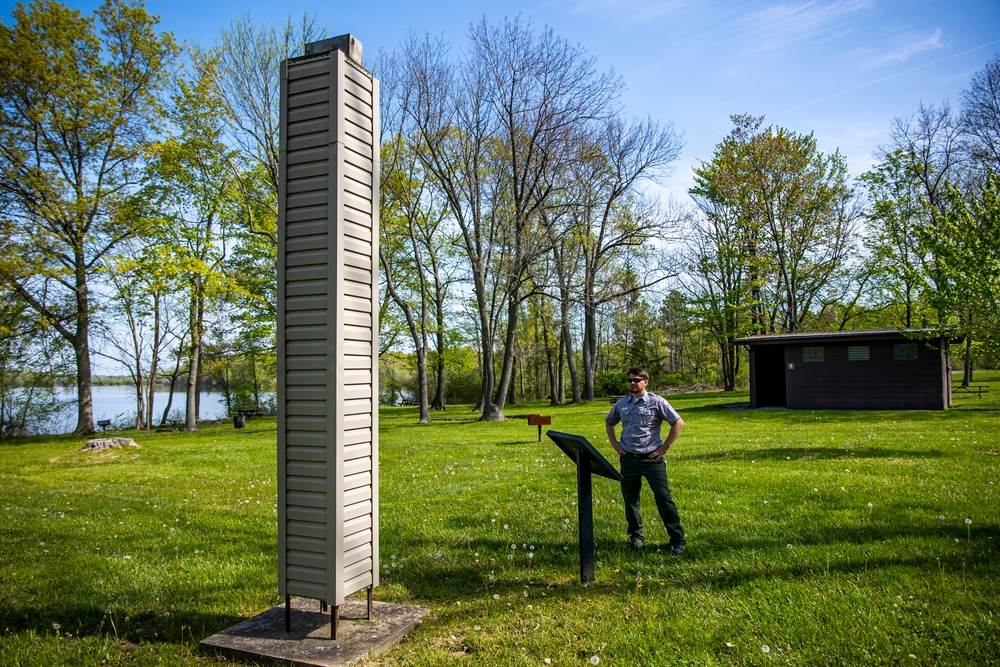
(633, 469)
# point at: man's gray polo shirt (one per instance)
(641, 419)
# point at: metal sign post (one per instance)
(589, 462)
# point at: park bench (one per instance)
(977, 389)
(248, 412)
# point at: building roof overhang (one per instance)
(845, 336)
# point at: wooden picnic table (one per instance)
(977, 389)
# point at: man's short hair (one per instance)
(639, 371)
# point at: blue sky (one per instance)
(842, 69)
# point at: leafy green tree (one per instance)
(722, 282)
(77, 97)
(198, 204)
(896, 211)
(410, 253)
(142, 282)
(244, 71)
(795, 212)
(965, 247)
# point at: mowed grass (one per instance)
(829, 538)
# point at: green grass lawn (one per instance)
(815, 538)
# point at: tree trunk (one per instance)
(154, 363)
(967, 363)
(438, 402)
(81, 349)
(507, 367)
(589, 350)
(567, 339)
(84, 381)
(194, 356)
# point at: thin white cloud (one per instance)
(902, 49)
(774, 28)
(631, 12)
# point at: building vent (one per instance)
(857, 353)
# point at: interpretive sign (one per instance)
(328, 326)
(589, 462)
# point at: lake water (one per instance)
(117, 403)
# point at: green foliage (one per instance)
(788, 224)
(896, 213)
(964, 242)
(77, 100)
(610, 383)
(30, 366)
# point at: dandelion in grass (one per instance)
(506, 527)
(765, 649)
(496, 596)
(594, 660)
(510, 556)
(790, 546)
(941, 518)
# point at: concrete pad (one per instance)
(263, 637)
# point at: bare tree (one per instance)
(981, 115)
(613, 220)
(245, 67)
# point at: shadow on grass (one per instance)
(845, 551)
(82, 619)
(799, 453)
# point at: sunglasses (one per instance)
(631, 380)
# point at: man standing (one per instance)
(641, 451)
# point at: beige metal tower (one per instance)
(328, 326)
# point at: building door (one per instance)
(769, 368)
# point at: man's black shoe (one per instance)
(635, 544)
(678, 549)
